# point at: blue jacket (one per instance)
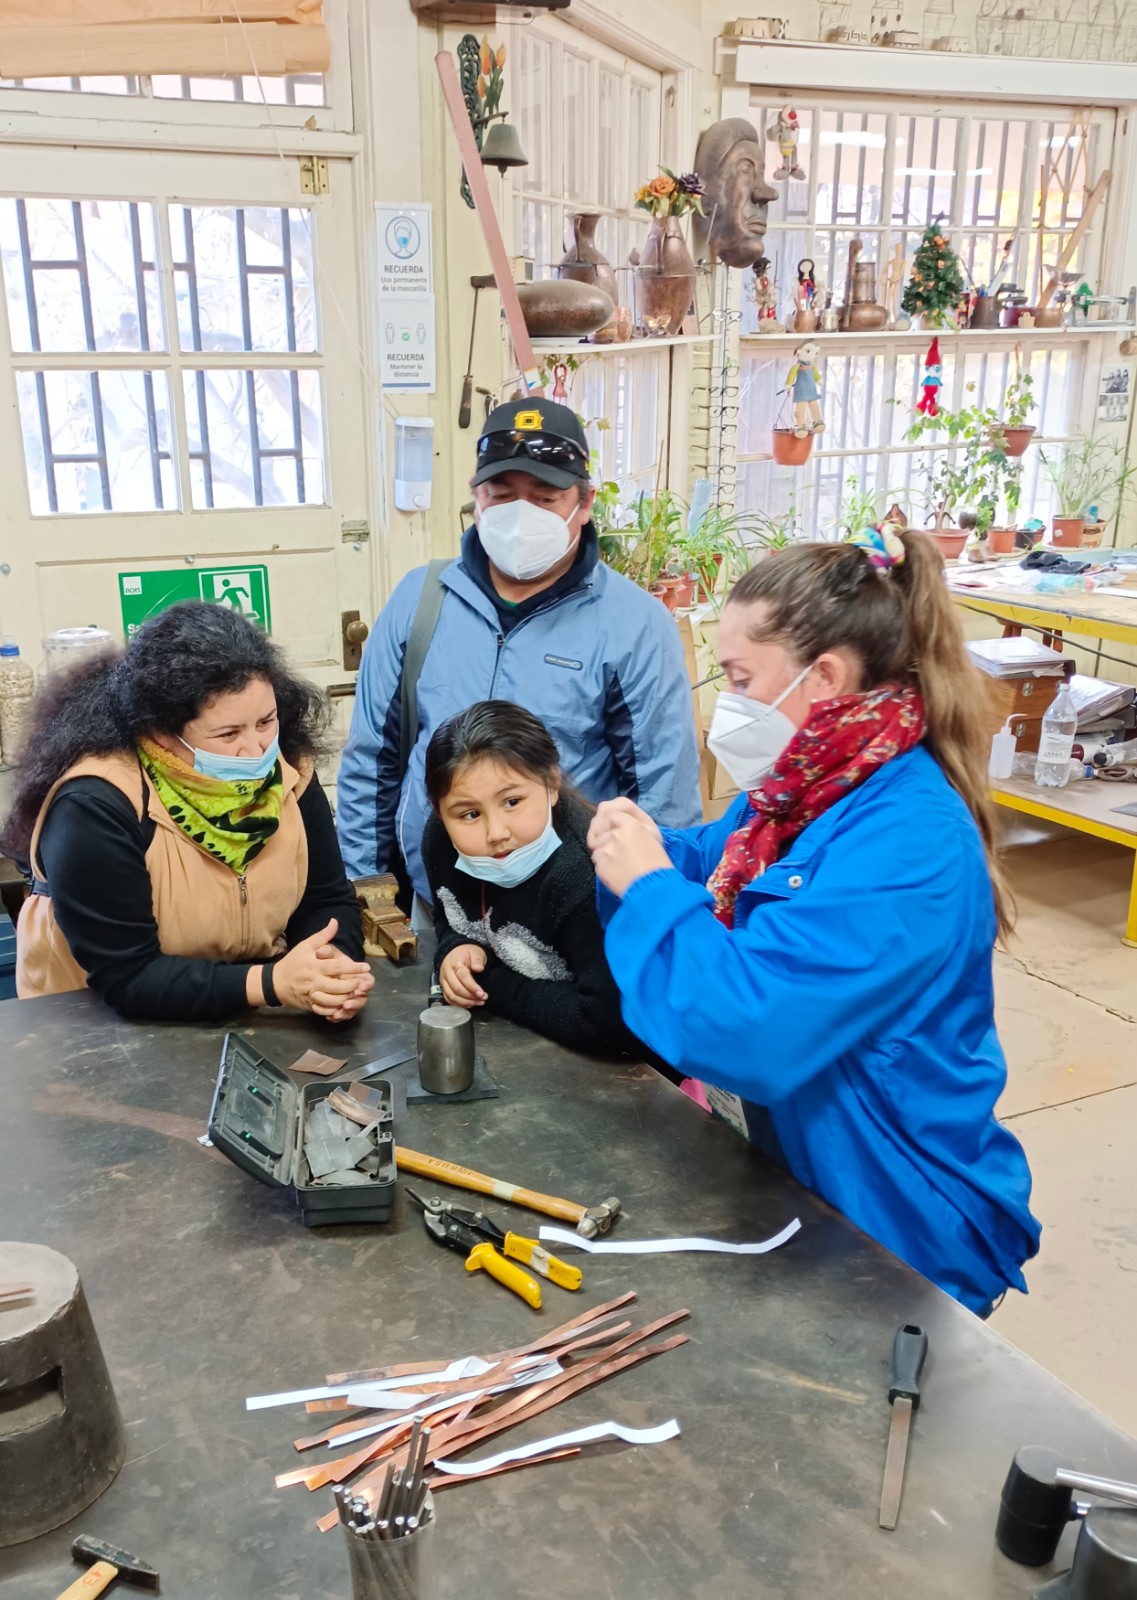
(601, 665)
(854, 1000)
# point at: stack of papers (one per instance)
(1013, 658)
(1095, 698)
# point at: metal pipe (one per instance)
(1108, 1488)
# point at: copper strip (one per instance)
(340, 1404)
(540, 1398)
(444, 1480)
(408, 1369)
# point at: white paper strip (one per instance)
(656, 1247)
(561, 1441)
(464, 1367)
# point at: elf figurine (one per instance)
(766, 301)
(783, 129)
(804, 383)
(933, 379)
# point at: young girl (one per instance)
(511, 882)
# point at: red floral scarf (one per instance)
(843, 743)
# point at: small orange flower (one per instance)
(643, 192)
(501, 55)
(487, 58)
(661, 187)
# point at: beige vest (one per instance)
(202, 908)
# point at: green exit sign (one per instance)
(144, 594)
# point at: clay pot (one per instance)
(685, 591)
(556, 308)
(1015, 440)
(948, 541)
(1001, 541)
(1092, 535)
(665, 275)
(667, 590)
(789, 450)
(584, 262)
(1068, 532)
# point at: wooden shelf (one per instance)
(576, 347)
(921, 336)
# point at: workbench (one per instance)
(1085, 807)
(206, 1288)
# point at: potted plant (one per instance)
(860, 508)
(968, 475)
(1089, 472)
(1014, 430)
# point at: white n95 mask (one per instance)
(523, 540)
(747, 736)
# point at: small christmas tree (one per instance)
(936, 285)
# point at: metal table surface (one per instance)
(205, 1287)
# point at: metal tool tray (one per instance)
(257, 1119)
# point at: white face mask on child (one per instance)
(519, 865)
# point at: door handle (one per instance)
(354, 631)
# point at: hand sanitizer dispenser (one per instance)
(414, 462)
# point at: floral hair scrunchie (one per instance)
(884, 548)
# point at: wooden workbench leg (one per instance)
(1131, 924)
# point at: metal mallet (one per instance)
(105, 1563)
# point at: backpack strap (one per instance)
(423, 625)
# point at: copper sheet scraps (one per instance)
(323, 1066)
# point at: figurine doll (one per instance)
(804, 383)
(783, 129)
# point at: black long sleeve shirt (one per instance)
(93, 852)
(545, 967)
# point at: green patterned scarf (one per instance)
(232, 821)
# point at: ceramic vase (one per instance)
(584, 261)
(665, 277)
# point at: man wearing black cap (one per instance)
(528, 613)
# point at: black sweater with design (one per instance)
(545, 965)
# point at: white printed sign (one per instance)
(404, 249)
(406, 340)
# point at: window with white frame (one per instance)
(883, 176)
(104, 279)
(298, 89)
(589, 121)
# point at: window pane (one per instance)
(80, 275)
(850, 167)
(577, 123)
(302, 89)
(924, 174)
(532, 112)
(75, 85)
(643, 139)
(244, 278)
(613, 187)
(97, 441)
(256, 438)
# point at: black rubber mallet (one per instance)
(104, 1564)
(1038, 1503)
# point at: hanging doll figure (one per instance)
(804, 384)
(933, 378)
(560, 374)
(783, 129)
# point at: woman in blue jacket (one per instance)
(821, 957)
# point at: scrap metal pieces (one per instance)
(338, 1151)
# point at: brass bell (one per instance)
(502, 148)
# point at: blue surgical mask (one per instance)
(234, 769)
(517, 867)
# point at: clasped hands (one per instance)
(315, 976)
(626, 845)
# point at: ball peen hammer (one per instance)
(590, 1220)
(104, 1564)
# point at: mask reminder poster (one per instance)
(406, 342)
(405, 265)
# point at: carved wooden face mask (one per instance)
(731, 162)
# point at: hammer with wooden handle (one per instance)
(590, 1220)
(104, 1564)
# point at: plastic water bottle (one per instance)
(1055, 747)
(17, 687)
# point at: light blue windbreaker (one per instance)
(853, 999)
(601, 665)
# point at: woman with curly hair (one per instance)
(180, 849)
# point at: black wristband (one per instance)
(268, 987)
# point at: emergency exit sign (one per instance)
(144, 594)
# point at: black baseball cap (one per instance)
(538, 437)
